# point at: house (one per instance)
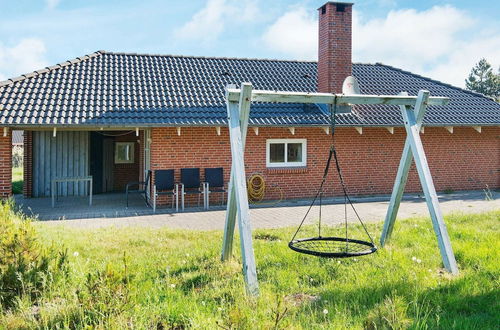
(17, 138)
(116, 115)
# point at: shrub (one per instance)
(17, 156)
(26, 268)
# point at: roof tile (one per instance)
(131, 89)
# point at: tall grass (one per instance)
(170, 279)
(27, 267)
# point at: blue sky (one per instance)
(440, 39)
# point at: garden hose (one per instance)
(257, 190)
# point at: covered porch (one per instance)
(64, 162)
(104, 205)
(64, 166)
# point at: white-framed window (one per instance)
(286, 152)
(124, 152)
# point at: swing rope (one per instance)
(326, 246)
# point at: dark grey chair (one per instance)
(164, 184)
(214, 183)
(190, 184)
(142, 188)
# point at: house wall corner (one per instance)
(6, 165)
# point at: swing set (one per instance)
(412, 108)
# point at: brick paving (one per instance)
(109, 210)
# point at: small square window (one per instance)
(277, 152)
(124, 152)
(286, 152)
(294, 152)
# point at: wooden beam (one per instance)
(239, 189)
(477, 128)
(217, 129)
(402, 174)
(178, 131)
(326, 129)
(390, 129)
(256, 130)
(292, 130)
(327, 98)
(244, 113)
(449, 129)
(431, 198)
(413, 148)
(359, 129)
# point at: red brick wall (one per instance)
(124, 173)
(28, 164)
(463, 160)
(334, 48)
(6, 164)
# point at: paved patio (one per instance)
(110, 205)
(109, 210)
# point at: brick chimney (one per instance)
(334, 50)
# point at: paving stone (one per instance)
(370, 209)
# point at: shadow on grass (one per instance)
(455, 304)
(461, 305)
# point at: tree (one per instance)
(483, 80)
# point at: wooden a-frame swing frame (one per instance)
(413, 110)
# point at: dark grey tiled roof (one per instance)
(129, 89)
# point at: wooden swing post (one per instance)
(414, 149)
(238, 108)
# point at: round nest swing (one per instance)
(330, 246)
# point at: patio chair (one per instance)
(142, 187)
(214, 183)
(190, 184)
(164, 184)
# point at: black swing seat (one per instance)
(332, 247)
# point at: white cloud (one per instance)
(442, 42)
(295, 34)
(26, 56)
(457, 66)
(436, 42)
(51, 4)
(207, 24)
(413, 37)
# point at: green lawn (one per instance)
(170, 279)
(17, 180)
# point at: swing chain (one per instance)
(333, 153)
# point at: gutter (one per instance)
(133, 126)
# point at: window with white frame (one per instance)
(286, 152)
(124, 152)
